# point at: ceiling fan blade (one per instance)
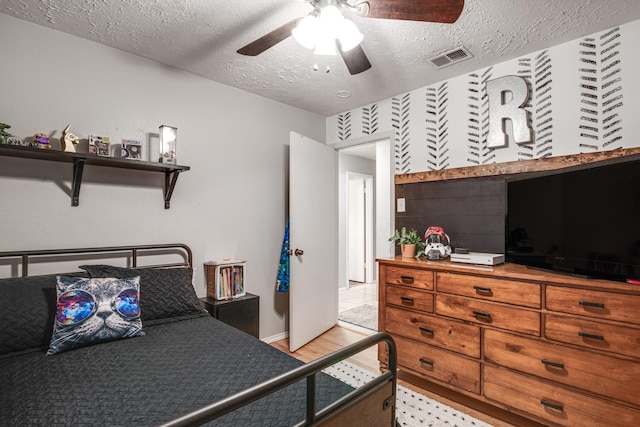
(445, 11)
(269, 40)
(355, 59)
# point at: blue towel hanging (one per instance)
(282, 282)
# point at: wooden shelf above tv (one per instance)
(79, 160)
(520, 166)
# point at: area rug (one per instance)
(412, 408)
(364, 315)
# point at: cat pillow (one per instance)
(91, 311)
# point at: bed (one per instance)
(175, 365)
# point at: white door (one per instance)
(356, 226)
(313, 234)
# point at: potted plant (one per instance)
(409, 240)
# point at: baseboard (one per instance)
(275, 338)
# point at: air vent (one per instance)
(452, 57)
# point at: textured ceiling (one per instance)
(202, 36)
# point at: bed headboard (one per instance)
(131, 256)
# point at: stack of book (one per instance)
(225, 278)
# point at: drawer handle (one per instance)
(554, 364)
(426, 361)
(591, 304)
(483, 314)
(483, 289)
(407, 279)
(426, 330)
(406, 300)
(592, 336)
(552, 405)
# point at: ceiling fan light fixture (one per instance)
(321, 28)
(307, 31)
(350, 36)
(325, 45)
(331, 18)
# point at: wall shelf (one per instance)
(518, 166)
(79, 160)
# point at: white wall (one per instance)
(230, 204)
(585, 95)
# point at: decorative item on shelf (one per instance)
(131, 149)
(153, 142)
(41, 140)
(14, 140)
(8, 139)
(438, 244)
(99, 145)
(3, 133)
(68, 141)
(410, 242)
(168, 142)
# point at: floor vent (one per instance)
(452, 57)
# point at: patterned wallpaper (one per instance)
(601, 91)
(580, 93)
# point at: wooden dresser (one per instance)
(556, 349)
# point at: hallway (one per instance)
(357, 295)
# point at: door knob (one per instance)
(297, 252)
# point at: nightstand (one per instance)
(242, 312)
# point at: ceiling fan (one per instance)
(442, 11)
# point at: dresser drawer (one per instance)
(440, 364)
(592, 334)
(603, 375)
(603, 305)
(553, 403)
(409, 298)
(487, 313)
(416, 278)
(507, 291)
(445, 333)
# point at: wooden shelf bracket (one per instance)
(170, 179)
(78, 168)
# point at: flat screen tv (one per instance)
(585, 222)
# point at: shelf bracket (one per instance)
(78, 167)
(170, 178)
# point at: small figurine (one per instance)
(438, 243)
(3, 133)
(68, 141)
(99, 145)
(13, 140)
(41, 140)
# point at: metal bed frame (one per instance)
(368, 400)
(133, 253)
(308, 371)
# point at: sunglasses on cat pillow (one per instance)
(76, 306)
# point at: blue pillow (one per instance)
(91, 311)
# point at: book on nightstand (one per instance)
(225, 278)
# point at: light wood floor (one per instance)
(341, 336)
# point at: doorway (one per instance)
(365, 179)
